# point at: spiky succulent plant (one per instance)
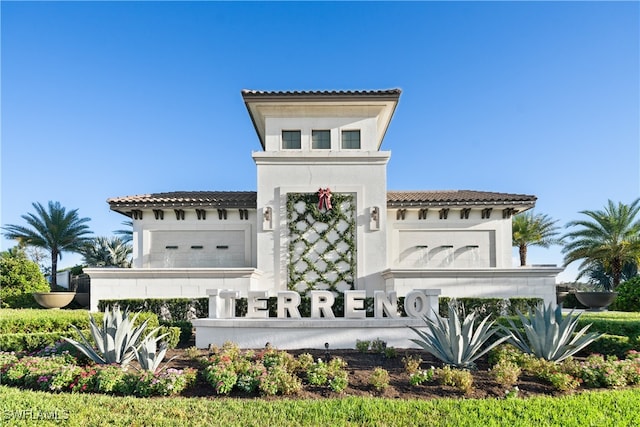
(115, 340)
(455, 343)
(148, 355)
(549, 335)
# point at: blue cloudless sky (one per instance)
(107, 99)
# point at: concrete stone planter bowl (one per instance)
(54, 299)
(82, 298)
(596, 301)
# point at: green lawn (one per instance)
(606, 408)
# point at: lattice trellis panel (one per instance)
(322, 250)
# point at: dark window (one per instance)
(291, 139)
(321, 140)
(351, 139)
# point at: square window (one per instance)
(351, 139)
(321, 139)
(291, 140)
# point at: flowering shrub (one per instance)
(164, 383)
(506, 373)
(506, 352)
(461, 379)
(562, 381)
(411, 364)
(305, 360)
(379, 379)
(272, 357)
(269, 371)
(109, 379)
(249, 379)
(332, 374)
(63, 349)
(597, 371)
(363, 345)
(419, 377)
(222, 376)
(339, 382)
(55, 373)
(318, 373)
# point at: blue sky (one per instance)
(106, 99)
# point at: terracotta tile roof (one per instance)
(222, 199)
(247, 199)
(384, 93)
(456, 198)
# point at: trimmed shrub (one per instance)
(612, 345)
(608, 323)
(40, 328)
(572, 302)
(178, 308)
(19, 278)
(173, 337)
(495, 307)
(32, 321)
(167, 309)
(185, 328)
(34, 341)
(628, 298)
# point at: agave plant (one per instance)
(549, 335)
(115, 340)
(148, 354)
(457, 344)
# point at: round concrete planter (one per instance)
(596, 301)
(53, 299)
(561, 296)
(82, 298)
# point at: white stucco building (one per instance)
(278, 237)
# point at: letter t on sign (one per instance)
(222, 303)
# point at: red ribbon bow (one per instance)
(324, 196)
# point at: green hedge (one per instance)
(35, 321)
(19, 279)
(173, 339)
(621, 331)
(622, 327)
(613, 345)
(36, 341)
(185, 330)
(628, 298)
(40, 328)
(177, 307)
(496, 307)
(621, 324)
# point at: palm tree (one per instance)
(53, 229)
(106, 252)
(529, 229)
(600, 279)
(610, 238)
(126, 235)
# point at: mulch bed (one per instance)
(360, 365)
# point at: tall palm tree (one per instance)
(529, 229)
(600, 279)
(610, 238)
(126, 235)
(106, 252)
(53, 229)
